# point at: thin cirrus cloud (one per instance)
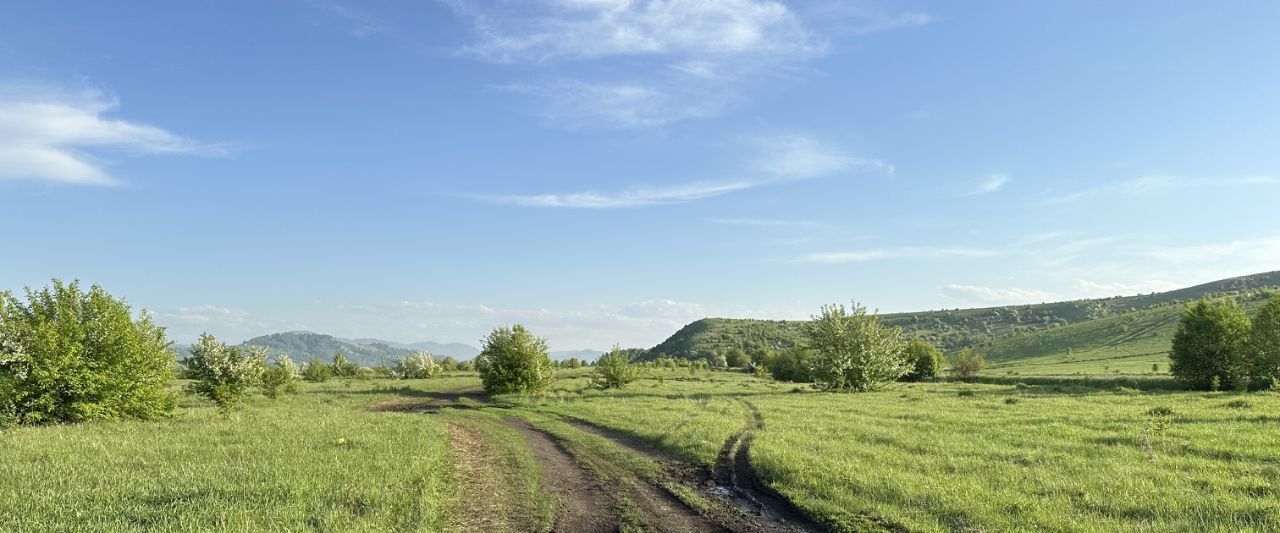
(992, 183)
(541, 31)
(634, 197)
(779, 160)
(50, 134)
(686, 59)
(863, 256)
(994, 295)
(1159, 183)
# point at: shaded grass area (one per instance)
(278, 465)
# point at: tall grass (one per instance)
(313, 461)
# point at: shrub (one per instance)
(281, 377)
(466, 366)
(852, 351)
(1264, 343)
(223, 373)
(737, 358)
(417, 366)
(966, 363)
(925, 360)
(343, 368)
(1209, 345)
(317, 371)
(449, 364)
(614, 370)
(68, 355)
(791, 365)
(513, 360)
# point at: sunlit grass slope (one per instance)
(280, 465)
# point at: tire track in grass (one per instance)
(743, 502)
(586, 505)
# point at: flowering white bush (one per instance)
(223, 373)
(417, 366)
(281, 377)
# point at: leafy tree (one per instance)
(449, 364)
(852, 351)
(614, 370)
(513, 360)
(925, 359)
(68, 355)
(281, 377)
(737, 358)
(342, 368)
(466, 366)
(1264, 343)
(417, 366)
(966, 363)
(1209, 345)
(317, 371)
(224, 373)
(792, 364)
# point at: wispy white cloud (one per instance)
(859, 18)
(1158, 183)
(991, 184)
(996, 296)
(552, 30)
(47, 133)
(861, 256)
(1113, 288)
(686, 59)
(359, 23)
(576, 104)
(635, 197)
(779, 160)
(800, 156)
(763, 222)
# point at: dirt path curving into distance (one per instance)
(586, 506)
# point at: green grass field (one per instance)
(942, 457)
(924, 457)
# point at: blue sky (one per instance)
(606, 170)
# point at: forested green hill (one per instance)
(1134, 328)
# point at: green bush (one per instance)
(280, 378)
(417, 366)
(966, 363)
(513, 360)
(68, 355)
(737, 358)
(343, 368)
(853, 351)
(614, 370)
(1264, 344)
(790, 365)
(317, 371)
(1209, 346)
(925, 360)
(449, 364)
(224, 373)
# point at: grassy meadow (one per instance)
(311, 461)
(1052, 455)
(956, 456)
